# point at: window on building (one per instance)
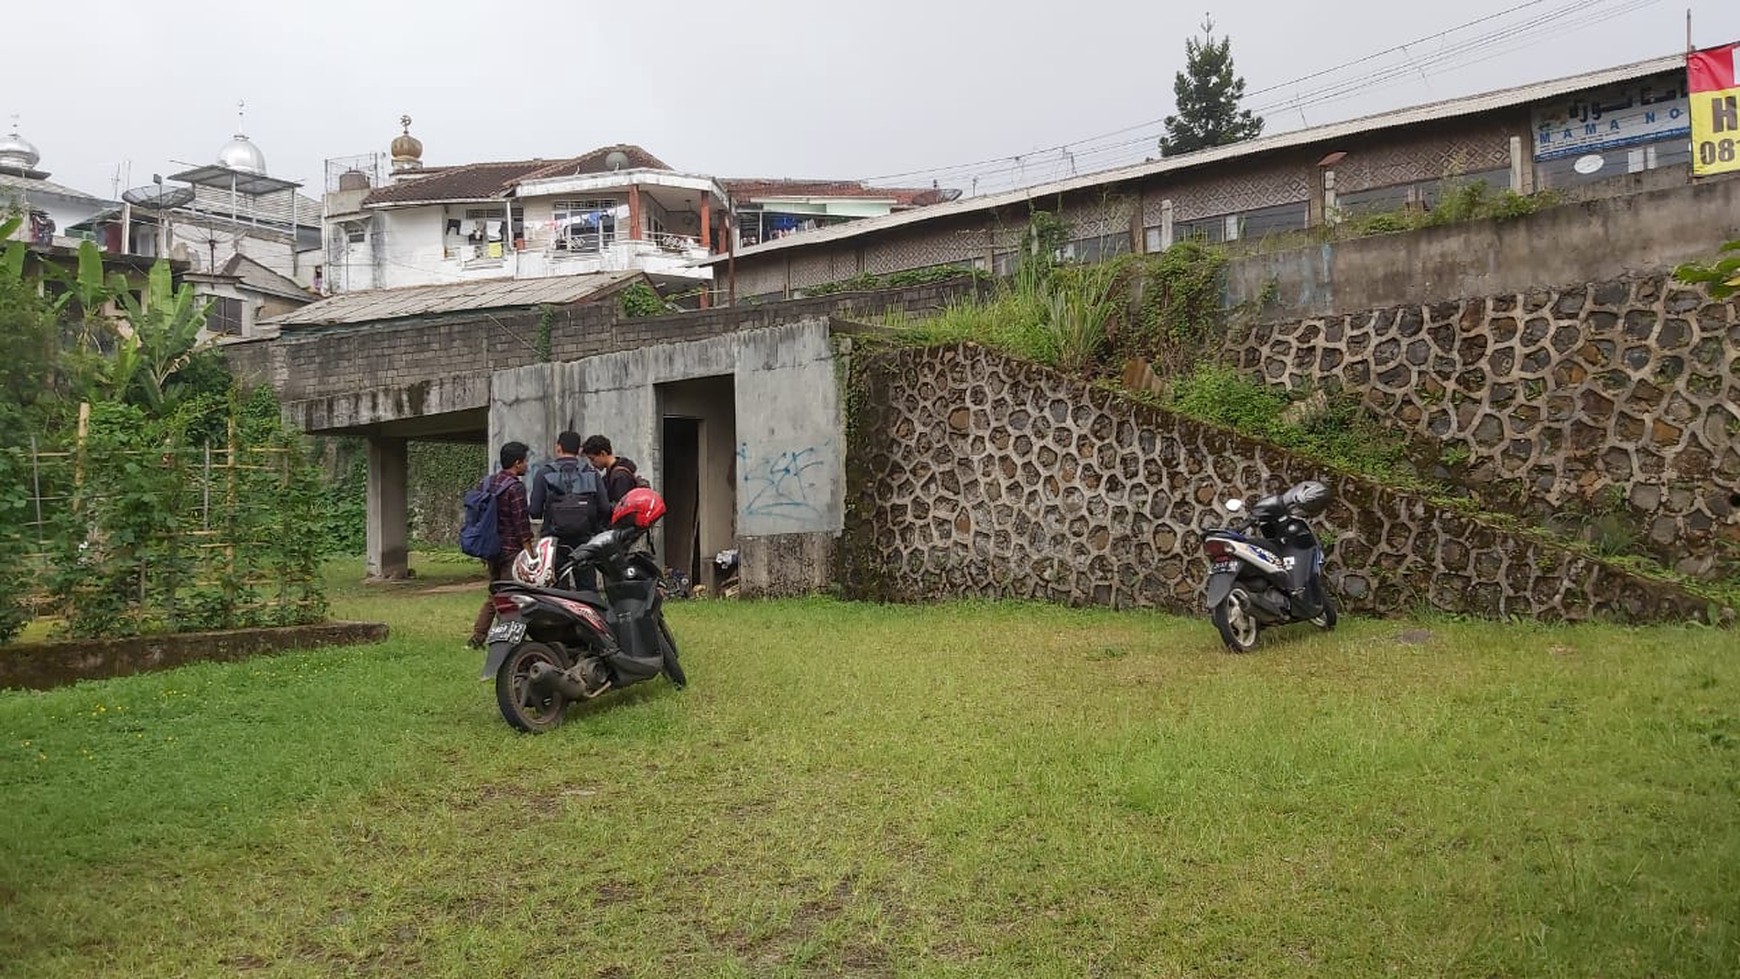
(1208, 231)
(1418, 193)
(1096, 248)
(482, 233)
(585, 225)
(225, 318)
(1593, 167)
(1004, 264)
(1280, 219)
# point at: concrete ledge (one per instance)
(41, 666)
(786, 565)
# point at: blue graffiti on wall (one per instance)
(777, 486)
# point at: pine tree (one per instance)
(1208, 95)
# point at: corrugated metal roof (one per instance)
(34, 185)
(1450, 108)
(388, 304)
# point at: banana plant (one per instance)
(12, 259)
(163, 336)
(1722, 276)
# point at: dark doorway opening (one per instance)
(682, 478)
(697, 463)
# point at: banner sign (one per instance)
(1648, 110)
(1713, 77)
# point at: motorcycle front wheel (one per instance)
(668, 649)
(522, 706)
(1325, 621)
(1235, 620)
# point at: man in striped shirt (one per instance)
(513, 524)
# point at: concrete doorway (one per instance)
(697, 460)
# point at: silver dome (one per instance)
(240, 154)
(16, 152)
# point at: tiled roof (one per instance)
(750, 189)
(471, 182)
(594, 162)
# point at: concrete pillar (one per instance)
(1522, 174)
(389, 469)
(706, 222)
(635, 229)
(1167, 233)
(1330, 205)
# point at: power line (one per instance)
(1461, 53)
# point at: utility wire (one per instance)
(1094, 153)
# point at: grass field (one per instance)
(971, 790)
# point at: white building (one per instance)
(614, 209)
(236, 208)
(49, 210)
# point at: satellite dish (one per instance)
(158, 197)
(616, 160)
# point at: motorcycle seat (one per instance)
(589, 597)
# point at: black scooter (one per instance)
(551, 647)
(1274, 577)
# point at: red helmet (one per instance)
(639, 506)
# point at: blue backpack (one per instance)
(480, 533)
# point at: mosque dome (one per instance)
(16, 153)
(241, 154)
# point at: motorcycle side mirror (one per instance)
(1234, 506)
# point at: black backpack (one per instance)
(571, 504)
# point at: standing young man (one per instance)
(569, 497)
(619, 471)
(513, 524)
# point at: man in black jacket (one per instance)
(569, 497)
(620, 474)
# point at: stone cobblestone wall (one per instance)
(970, 474)
(1617, 397)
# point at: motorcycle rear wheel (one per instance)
(521, 705)
(1237, 625)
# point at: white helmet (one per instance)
(537, 568)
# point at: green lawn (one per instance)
(972, 790)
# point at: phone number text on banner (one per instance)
(1713, 82)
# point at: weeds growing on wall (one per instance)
(640, 300)
(866, 282)
(1089, 318)
(1340, 431)
(1470, 201)
(439, 474)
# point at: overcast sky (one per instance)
(809, 88)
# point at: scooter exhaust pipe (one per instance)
(544, 678)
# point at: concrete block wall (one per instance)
(1589, 241)
(974, 475)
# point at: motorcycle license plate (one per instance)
(1225, 567)
(508, 632)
